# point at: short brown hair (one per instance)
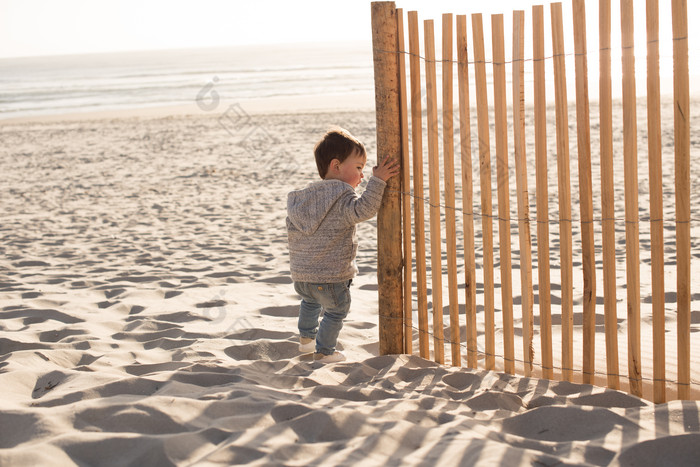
(339, 144)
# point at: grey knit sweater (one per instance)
(321, 221)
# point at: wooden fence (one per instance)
(566, 276)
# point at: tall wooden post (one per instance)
(518, 77)
(629, 136)
(656, 200)
(585, 182)
(681, 134)
(448, 159)
(385, 44)
(501, 121)
(542, 192)
(564, 179)
(434, 190)
(608, 197)
(405, 197)
(418, 205)
(482, 115)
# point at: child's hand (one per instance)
(387, 168)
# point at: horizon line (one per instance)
(198, 47)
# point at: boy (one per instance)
(321, 232)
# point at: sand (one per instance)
(148, 318)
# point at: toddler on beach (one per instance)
(321, 220)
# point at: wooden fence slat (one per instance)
(501, 119)
(389, 257)
(681, 127)
(525, 241)
(449, 177)
(418, 191)
(629, 128)
(406, 197)
(583, 137)
(563, 172)
(542, 192)
(434, 189)
(467, 189)
(482, 114)
(608, 197)
(656, 208)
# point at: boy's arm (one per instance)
(359, 209)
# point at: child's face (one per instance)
(348, 171)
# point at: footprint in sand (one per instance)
(47, 382)
(58, 335)
(290, 311)
(35, 315)
(263, 350)
(212, 304)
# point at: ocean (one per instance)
(49, 85)
(331, 72)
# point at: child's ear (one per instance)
(334, 165)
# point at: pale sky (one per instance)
(48, 27)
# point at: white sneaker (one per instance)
(307, 345)
(335, 358)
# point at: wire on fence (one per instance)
(553, 221)
(507, 62)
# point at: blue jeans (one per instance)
(334, 300)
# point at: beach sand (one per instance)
(148, 318)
